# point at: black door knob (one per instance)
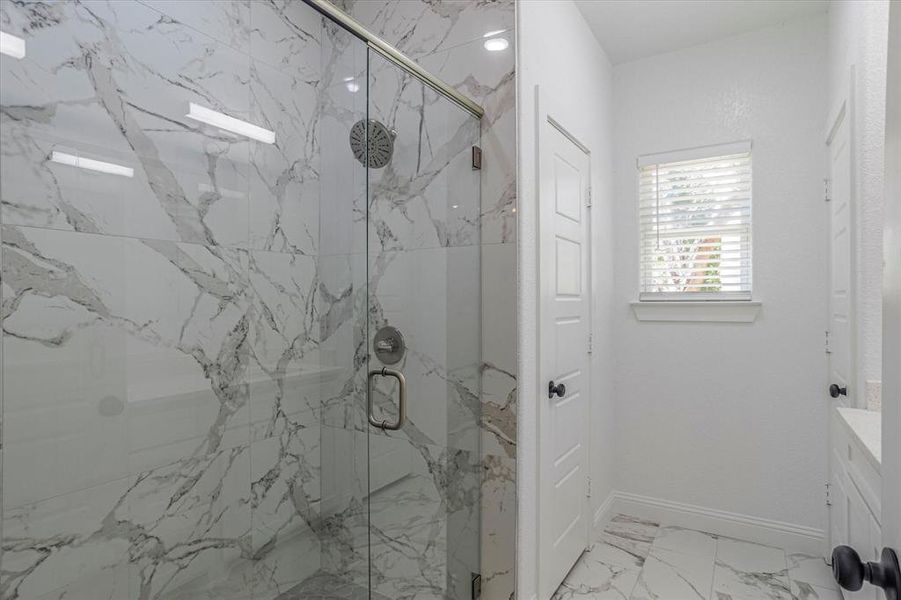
(850, 572)
(847, 568)
(836, 391)
(559, 390)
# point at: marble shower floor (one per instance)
(326, 586)
(634, 559)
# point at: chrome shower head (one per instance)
(380, 142)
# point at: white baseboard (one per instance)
(604, 512)
(795, 538)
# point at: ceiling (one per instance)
(632, 29)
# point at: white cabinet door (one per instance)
(860, 537)
(839, 498)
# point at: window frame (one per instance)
(695, 298)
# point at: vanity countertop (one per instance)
(866, 426)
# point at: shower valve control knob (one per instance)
(850, 572)
(835, 391)
(559, 390)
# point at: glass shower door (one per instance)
(423, 339)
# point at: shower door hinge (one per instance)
(826, 196)
(828, 343)
(476, 586)
(476, 158)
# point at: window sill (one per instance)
(744, 311)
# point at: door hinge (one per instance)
(589, 197)
(826, 190)
(588, 493)
(828, 343)
(590, 343)
(476, 158)
(828, 494)
(476, 586)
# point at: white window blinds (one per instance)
(694, 211)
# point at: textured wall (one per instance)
(730, 416)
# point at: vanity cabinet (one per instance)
(855, 489)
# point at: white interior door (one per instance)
(840, 340)
(891, 311)
(563, 514)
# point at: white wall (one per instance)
(730, 416)
(858, 33)
(559, 53)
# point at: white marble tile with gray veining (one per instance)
(631, 535)
(112, 82)
(603, 572)
(748, 571)
(684, 563)
(671, 574)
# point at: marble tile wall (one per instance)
(446, 37)
(184, 350)
(171, 340)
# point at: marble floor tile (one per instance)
(810, 570)
(323, 585)
(668, 574)
(686, 541)
(640, 560)
(630, 534)
(750, 571)
(604, 572)
(805, 591)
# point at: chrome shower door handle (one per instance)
(402, 400)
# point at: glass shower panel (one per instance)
(424, 281)
(343, 282)
(184, 303)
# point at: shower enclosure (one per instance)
(241, 308)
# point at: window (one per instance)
(694, 210)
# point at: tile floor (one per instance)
(640, 560)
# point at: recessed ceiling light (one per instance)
(496, 44)
(223, 121)
(90, 164)
(12, 45)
